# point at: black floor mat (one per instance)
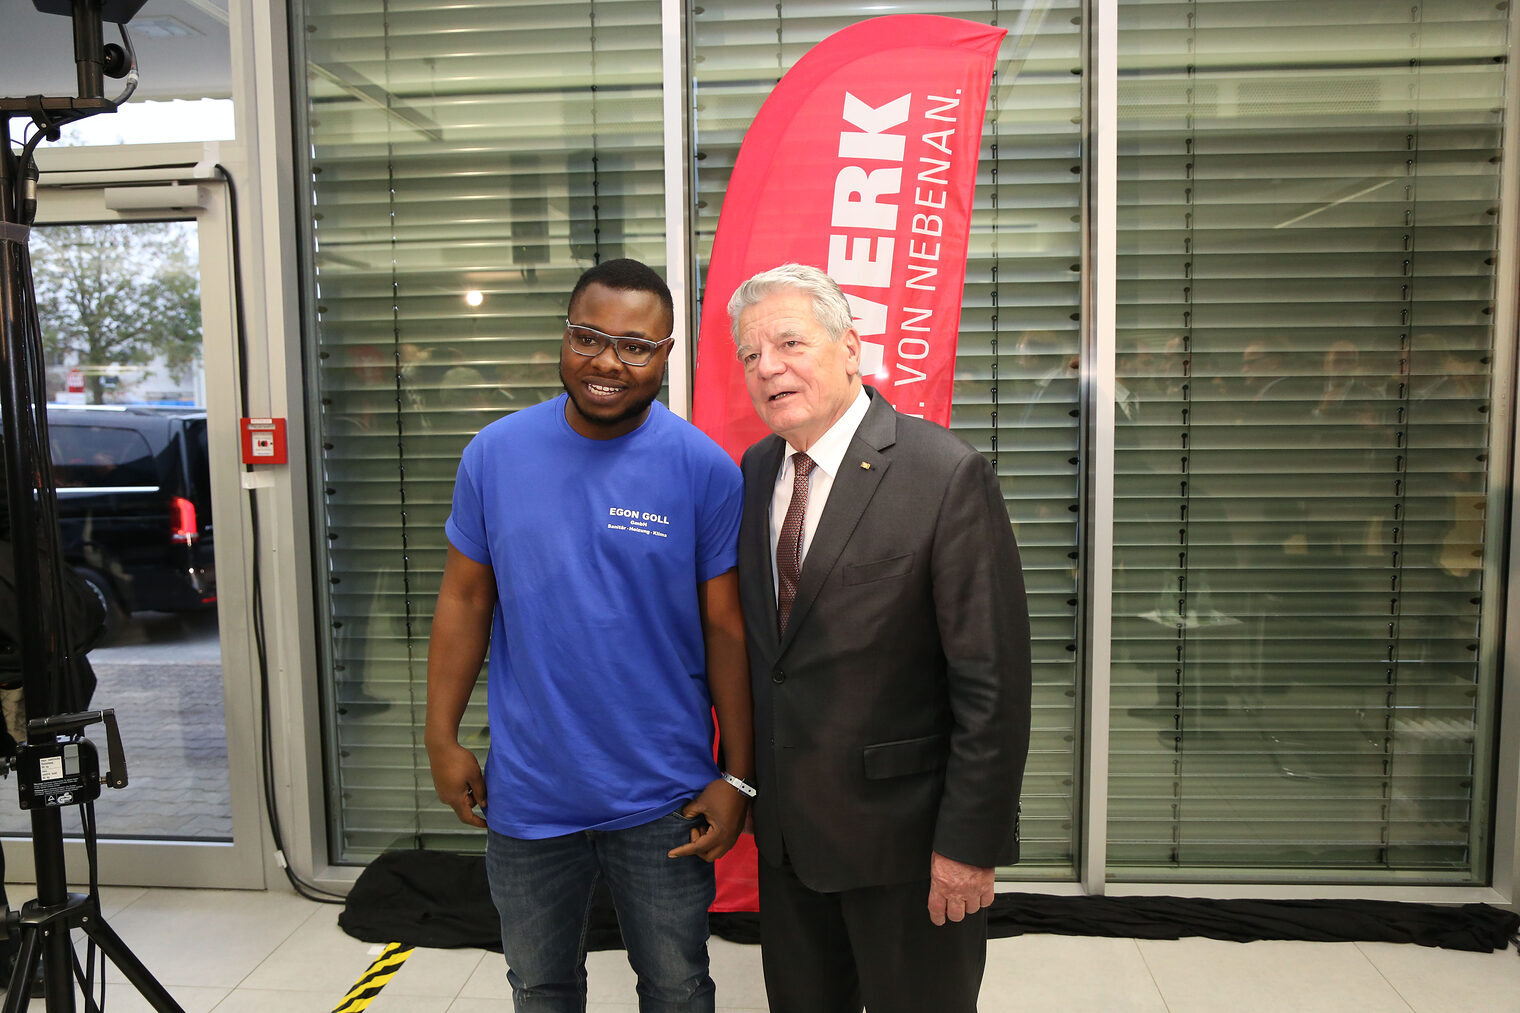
(439, 899)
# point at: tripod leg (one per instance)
(126, 961)
(58, 967)
(18, 992)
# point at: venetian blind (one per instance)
(468, 162)
(1308, 198)
(1016, 391)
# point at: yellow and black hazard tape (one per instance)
(373, 980)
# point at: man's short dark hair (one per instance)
(625, 275)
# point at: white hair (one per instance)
(831, 310)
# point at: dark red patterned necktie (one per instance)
(789, 546)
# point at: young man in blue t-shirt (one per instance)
(592, 546)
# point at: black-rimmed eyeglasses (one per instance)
(589, 341)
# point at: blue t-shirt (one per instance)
(597, 684)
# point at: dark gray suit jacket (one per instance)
(893, 717)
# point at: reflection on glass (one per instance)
(1306, 227)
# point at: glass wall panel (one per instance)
(1308, 197)
(1016, 391)
(1307, 207)
(467, 162)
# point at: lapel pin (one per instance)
(865, 465)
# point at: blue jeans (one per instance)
(543, 890)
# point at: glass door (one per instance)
(133, 293)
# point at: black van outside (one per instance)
(134, 504)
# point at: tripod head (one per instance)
(94, 61)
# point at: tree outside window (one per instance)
(119, 303)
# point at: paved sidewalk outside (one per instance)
(163, 676)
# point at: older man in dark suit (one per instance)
(889, 653)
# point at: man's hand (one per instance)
(957, 889)
(458, 781)
(725, 807)
(456, 650)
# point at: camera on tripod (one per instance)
(93, 58)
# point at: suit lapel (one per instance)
(860, 472)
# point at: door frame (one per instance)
(202, 197)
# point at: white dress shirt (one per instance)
(827, 455)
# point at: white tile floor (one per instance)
(239, 952)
